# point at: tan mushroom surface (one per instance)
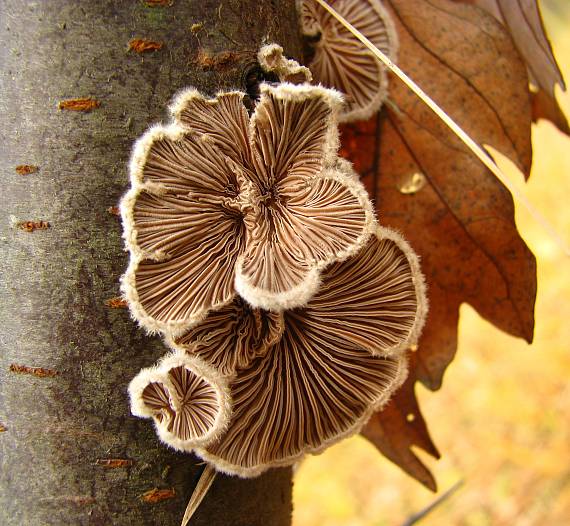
(187, 399)
(222, 202)
(337, 360)
(232, 337)
(340, 61)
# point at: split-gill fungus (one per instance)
(256, 254)
(187, 399)
(307, 377)
(224, 203)
(340, 61)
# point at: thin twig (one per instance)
(417, 517)
(200, 491)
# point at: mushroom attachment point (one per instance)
(320, 371)
(187, 399)
(224, 203)
(341, 61)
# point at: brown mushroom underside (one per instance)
(339, 358)
(222, 201)
(340, 61)
(189, 411)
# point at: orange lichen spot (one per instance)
(26, 169)
(142, 45)
(113, 463)
(154, 495)
(158, 3)
(31, 226)
(80, 104)
(40, 372)
(3, 428)
(207, 60)
(114, 210)
(117, 303)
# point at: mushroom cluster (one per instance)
(224, 203)
(255, 253)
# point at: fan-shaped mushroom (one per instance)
(187, 399)
(221, 202)
(232, 337)
(336, 361)
(272, 60)
(340, 61)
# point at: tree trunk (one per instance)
(57, 431)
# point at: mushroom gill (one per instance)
(181, 225)
(339, 359)
(187, 399)
(306, 209)
(230, 338)
(221, 202)
(342, 62)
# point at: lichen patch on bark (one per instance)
(158, 3)
(113, 463)
(213, 61)
(155, 495)
(143, 45)
(116, 303)
(32, 226)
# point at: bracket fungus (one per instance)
(187, 399)
(342, 62)
(315, 374)
(224, 203)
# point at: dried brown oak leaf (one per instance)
(523, 20)
(461, 221)
(545, 107)
(402, 426)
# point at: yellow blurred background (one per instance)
(502, 418)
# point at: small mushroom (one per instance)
(272, 60)
(341, 61)
(221, 202)
(334, 362)
(187, 399)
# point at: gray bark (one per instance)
(54, 282)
